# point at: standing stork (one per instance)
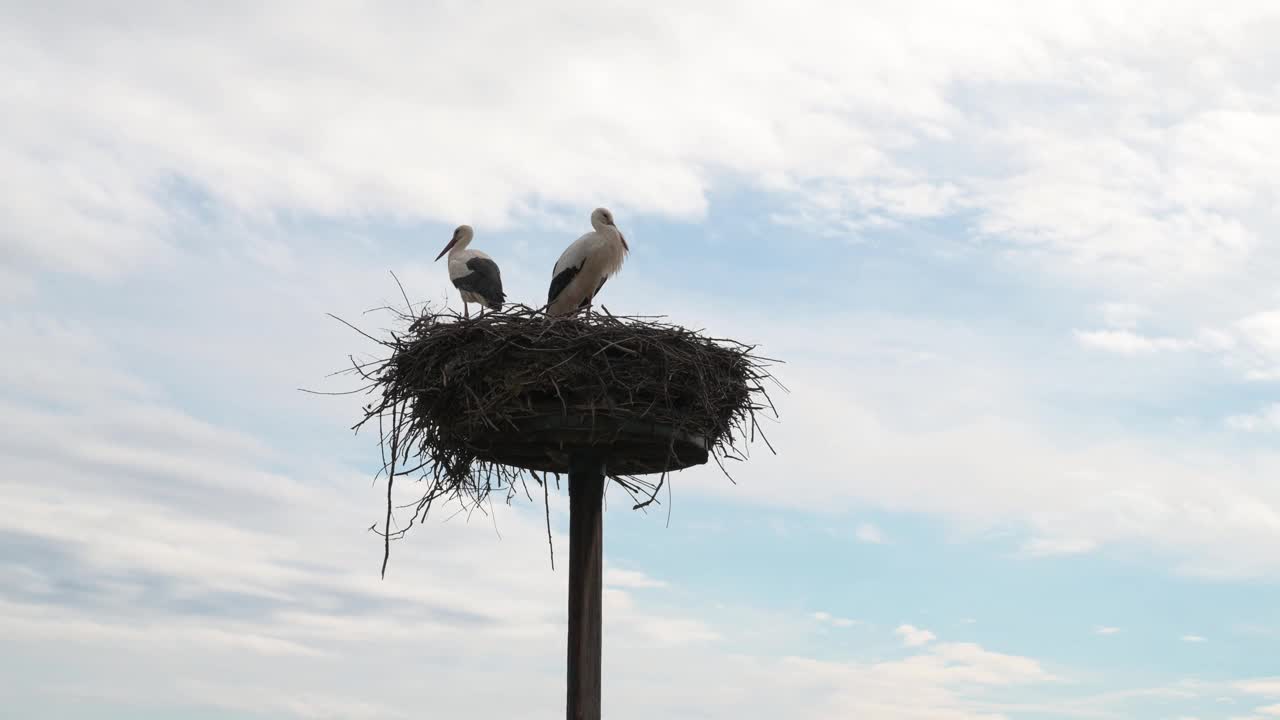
(586, 264)
(475, 274)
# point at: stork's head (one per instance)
(461, 238)
(601, 219)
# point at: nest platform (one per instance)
(469, 404)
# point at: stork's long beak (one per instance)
(623, 238)
(452, 242)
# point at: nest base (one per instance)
(544, 443)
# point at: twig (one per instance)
(546, 504)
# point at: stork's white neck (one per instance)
(609, 231)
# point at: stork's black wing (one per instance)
(561, 281)
(484, 280)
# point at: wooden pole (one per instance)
(586, 559)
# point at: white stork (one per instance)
(475, 274)
(585, 265)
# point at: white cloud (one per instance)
(1268, 687)
(1193, 639)
(913, 636)
(869, 533)
(924, 685)
(1127, 342)
(630, 579)
(1249, 345)
(1150, 156)
(987, 463)
(1265, 420)
(676, 632)
(828, 618)
(1258, 353)
(1123, 316)
(1106, 630)
(1047, 547)
(48, 354)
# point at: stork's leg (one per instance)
(466, 313)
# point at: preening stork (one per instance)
(475, 274)
(586, 264)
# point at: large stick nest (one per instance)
(458, 399)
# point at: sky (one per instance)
(1020, 260)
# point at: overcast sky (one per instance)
(1021, 260)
